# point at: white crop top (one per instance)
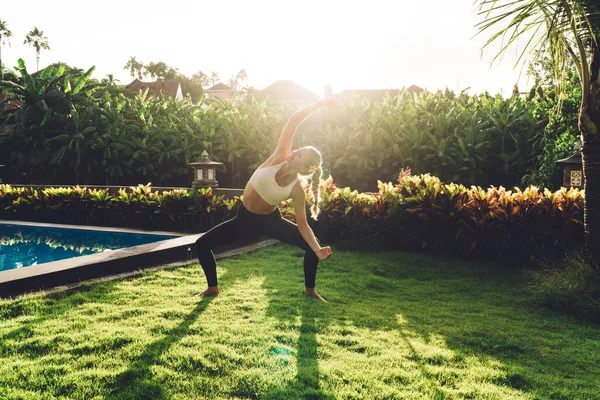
(267, 187)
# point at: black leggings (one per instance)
(247, 224)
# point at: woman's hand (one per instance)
(324, 253)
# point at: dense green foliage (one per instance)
(558, 114)
(480, 140)
(71, 129)
(568, 32)
(397, 326)
(423, 214)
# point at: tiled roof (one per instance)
(414, 89)
(168, 88)
(56, 65)
(37, 73)
(219, 86)
(11, 105)
(287, 91)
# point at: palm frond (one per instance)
(564, 28)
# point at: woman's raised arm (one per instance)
(284, 145)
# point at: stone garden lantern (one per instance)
(572, 169)
(205, 172)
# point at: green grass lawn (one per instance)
(397, 325)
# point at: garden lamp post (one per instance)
(1, 176)
(205, 172)
(572, 169)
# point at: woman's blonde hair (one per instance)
(315, 171)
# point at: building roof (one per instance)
(37, 73)
(414, 89)
(10, 105)
(56, 65)
(219, 86)
(168, 88)
(287, 91)
(2, 98)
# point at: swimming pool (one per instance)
(26, 245)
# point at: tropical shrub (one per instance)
(71, 129)
(44, 110)
(245, 135)
(419, 213)
(422, 213)
(568, 284)
(476, 140)
(135, 207)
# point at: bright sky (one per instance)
(350, 44)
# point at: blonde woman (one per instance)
(276, 180)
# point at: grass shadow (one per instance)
(102, 302)
(40, 307)
(306, 384)
(284, 285)
(465, 309)
(442, 316)
(136, 382)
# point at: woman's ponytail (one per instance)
(315, 191)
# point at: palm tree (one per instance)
(236, 80)
(201, 78)
(135, 67)
(241, 76)
(152, 69)
(570, 31)
(110, 80)
(5, 34)
(160, 71)
(214, 78)
(37, 39)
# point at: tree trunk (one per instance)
(591, 172)
(589, 125)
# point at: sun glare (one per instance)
(350, 45)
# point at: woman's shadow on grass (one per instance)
(306, 384)
(287, 304)
(425, 299)
(352, 297)
(52, 305)
(136, 382)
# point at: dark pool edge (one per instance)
(20, 280)
(113, 263)
(123, 273)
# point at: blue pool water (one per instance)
(23, 246)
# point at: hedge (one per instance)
(419, 213)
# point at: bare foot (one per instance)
(210, 291)
(313, 293)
